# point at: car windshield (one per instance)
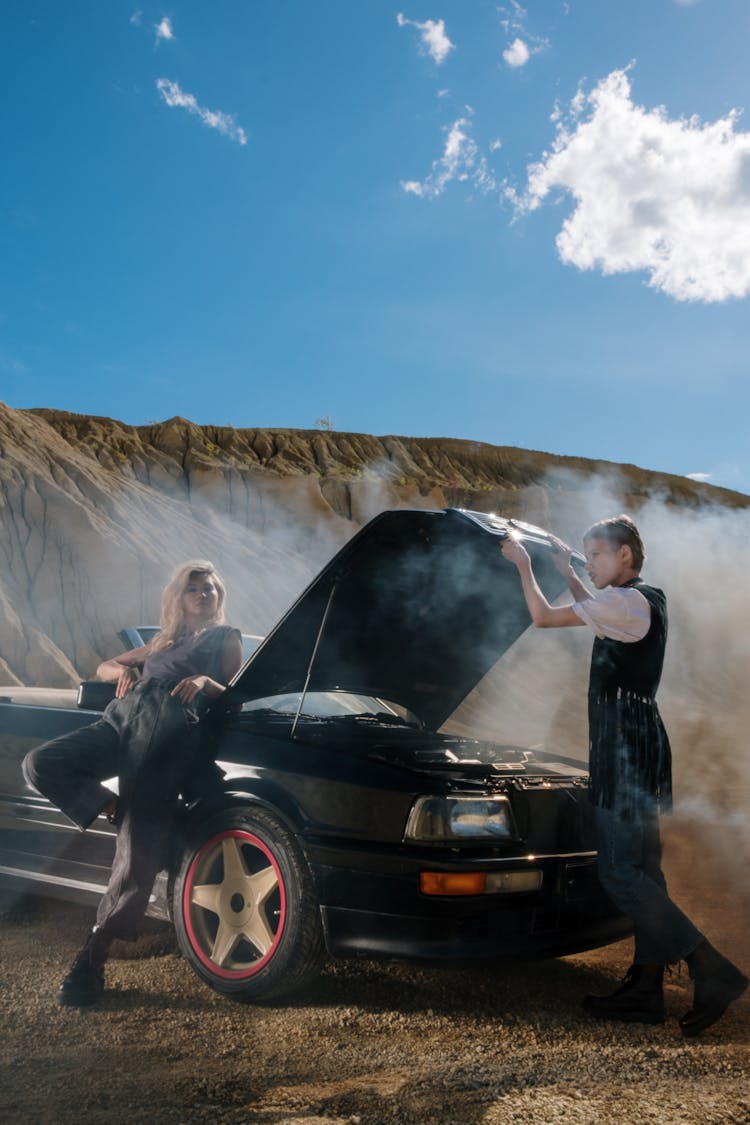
(334, 705)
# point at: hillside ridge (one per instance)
(96, 512)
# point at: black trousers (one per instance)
(150, 742)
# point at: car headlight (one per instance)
(438, 819)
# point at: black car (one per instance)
(347, 823)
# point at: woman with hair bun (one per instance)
(630, 764)
(148, 737)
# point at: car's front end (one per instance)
(427, 846)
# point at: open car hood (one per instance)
(415, 609)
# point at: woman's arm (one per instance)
(187, 689)
(123, 670)
(544, 615)
(562, 559)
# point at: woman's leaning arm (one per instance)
(187, 689)
(123, 670)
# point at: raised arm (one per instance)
(544, 615)
(562, 557)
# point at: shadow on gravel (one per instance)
(510, 986)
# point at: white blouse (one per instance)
(620, 613)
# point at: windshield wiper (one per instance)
(268, 713)
(381, 718)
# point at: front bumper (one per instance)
(515, 932)
(372, 907)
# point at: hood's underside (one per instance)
(416, 608)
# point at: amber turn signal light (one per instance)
(452, 882)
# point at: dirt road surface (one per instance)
(367, 1043)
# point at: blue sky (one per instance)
(521, 225)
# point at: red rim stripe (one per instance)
(232, 974)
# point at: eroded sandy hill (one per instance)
(95, 513)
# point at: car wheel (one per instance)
(244, 907)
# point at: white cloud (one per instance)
(513, 17)
(701, 477)
(135, 19)
(434, 41)
(517, 54)
(215, 119)
(513, 22)
(163, 29)
(460, 161)
(668, 196)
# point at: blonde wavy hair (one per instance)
(172, 624)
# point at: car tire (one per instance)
(244, 907)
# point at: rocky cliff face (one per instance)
(96, 513)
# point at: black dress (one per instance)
(630, 759)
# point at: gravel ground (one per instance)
(368, 1043)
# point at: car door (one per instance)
(39, 845)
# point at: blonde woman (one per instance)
(149, 738)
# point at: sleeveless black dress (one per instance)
(630, 759)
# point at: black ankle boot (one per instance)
(639, 999)
(717, 983)
(84, 983)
